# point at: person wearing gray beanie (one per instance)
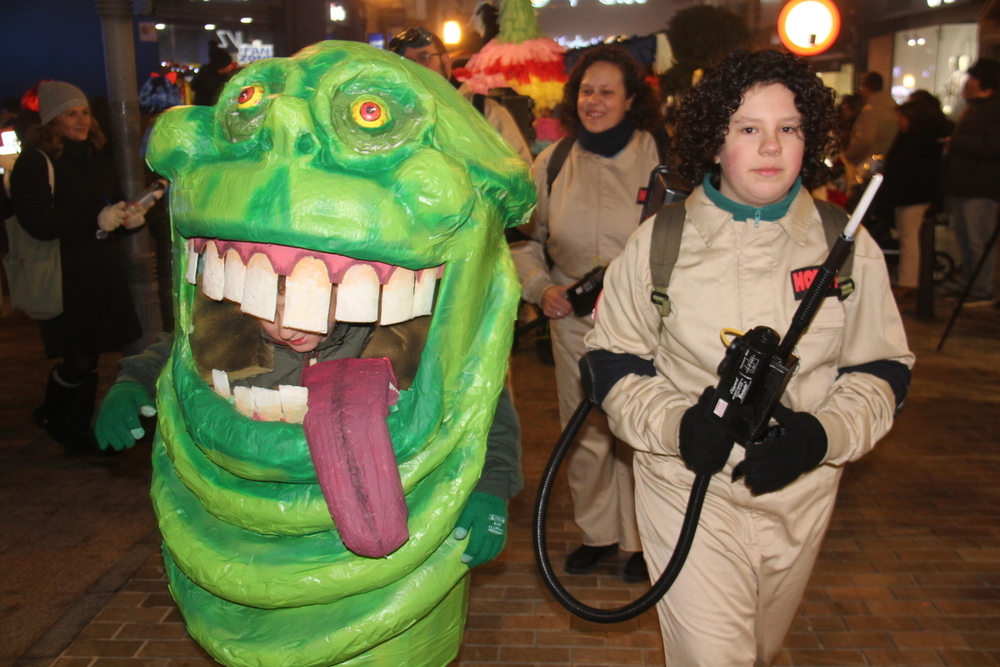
(56, 97)
(62, 187)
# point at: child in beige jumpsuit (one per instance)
(753, 134)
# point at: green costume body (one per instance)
(287, 160)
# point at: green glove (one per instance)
(118, 421)
(484, 521)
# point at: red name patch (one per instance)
(803, 278)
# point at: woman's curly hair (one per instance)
(703, 118)
(645, 111)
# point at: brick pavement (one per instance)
(909, 573)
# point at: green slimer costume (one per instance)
(355, 157)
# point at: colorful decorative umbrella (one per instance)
(519, 57)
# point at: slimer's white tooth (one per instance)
(294, 402)
(307, 297)
(213, 280)
(235, 276)
(243, 397)
(220, 381)
(357, 295)
(260, 290)
(423, 293)
(192, 263)
(267, 404)
(397, 297)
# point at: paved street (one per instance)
(909, 573)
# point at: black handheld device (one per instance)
(752, 379)
(758, 364)
(583, 294)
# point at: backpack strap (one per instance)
(664, 248)
(52, 171)
(662, 139)
(563, 146)
(558, 157)
(479, 101)
(834, 221)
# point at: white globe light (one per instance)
(808, 27)
(809, 23)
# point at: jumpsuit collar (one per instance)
(768, 213)
(709, 219)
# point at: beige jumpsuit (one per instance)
(752, 556)
(584, 223)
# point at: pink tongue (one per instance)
(349, 442)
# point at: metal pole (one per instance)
(925, 283)
(972, 279)
(138, 248)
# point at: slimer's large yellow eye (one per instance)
(250, 96)
(369, 113)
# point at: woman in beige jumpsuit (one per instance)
(583, 223)
(754, 133)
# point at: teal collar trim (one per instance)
(769, 213)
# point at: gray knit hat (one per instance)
(55, 97)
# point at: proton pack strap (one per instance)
(662, 139)
(664, 248)
(563, 146)
(834, 221)
(558, 157)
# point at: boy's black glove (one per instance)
(796, 446)
(703, 442)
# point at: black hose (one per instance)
(525, 328)
(650, 597)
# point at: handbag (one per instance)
(34, 268)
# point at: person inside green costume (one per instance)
(484, 519)
(349, 169)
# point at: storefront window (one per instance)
(934, 58)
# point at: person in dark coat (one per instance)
(72, 203)
(912, 170)
(212, 76)
(972, 177)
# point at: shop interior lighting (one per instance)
(337, 12)
(9, 145)
(161, 26)
(209, 26)
(246, 19)
(452, 33)
(909, 81)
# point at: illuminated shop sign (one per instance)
(246, 52)
(253, 51)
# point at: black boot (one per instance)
(81, 415)
(66, 412)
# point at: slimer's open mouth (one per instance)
(310, 525)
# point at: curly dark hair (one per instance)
(703, 119)
(645, 111)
